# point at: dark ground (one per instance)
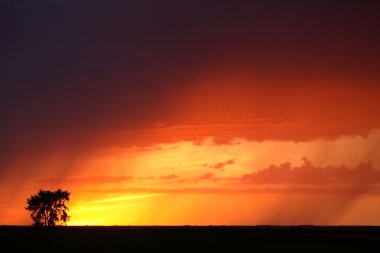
(191, 239)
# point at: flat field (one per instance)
(191, 239)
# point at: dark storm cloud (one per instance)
(71, 68)
(110, 64)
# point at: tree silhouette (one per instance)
(49, 208)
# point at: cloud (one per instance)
(87, 180)
(169, 177)
(211, 178)
(47, 113)
(330, 190)
(121, 179)
(205, 176)
(309, 174)
(221, 165)
(164, 190)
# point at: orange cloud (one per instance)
(87, 180)
(169, 177)
(330, 190)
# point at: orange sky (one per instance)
(192, 114)
(329, 181)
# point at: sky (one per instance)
(192, 112)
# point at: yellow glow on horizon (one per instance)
(109, 210)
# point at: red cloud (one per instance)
(221, 165)
(309, 174)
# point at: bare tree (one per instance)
(49, 208)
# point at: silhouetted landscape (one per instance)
(191, 239)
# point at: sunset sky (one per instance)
(192, 112)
